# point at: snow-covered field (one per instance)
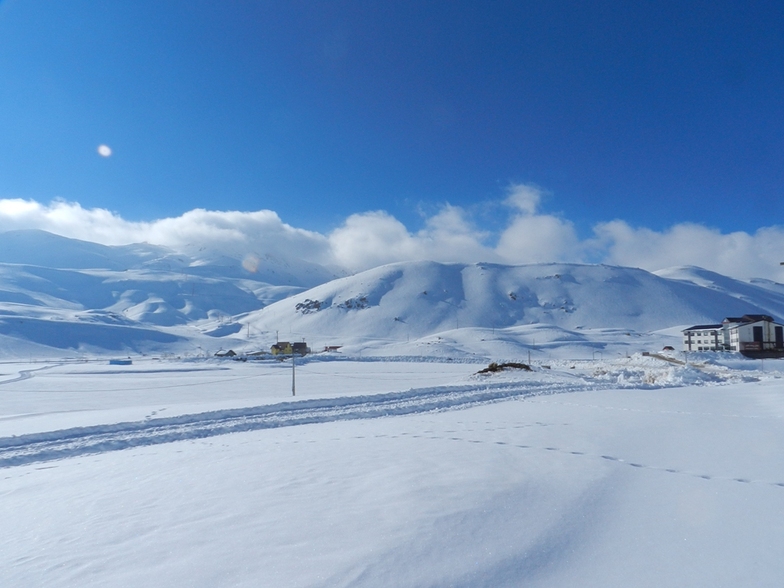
(395, 464)
(594, 472)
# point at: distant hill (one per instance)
(90, 293)
(43, 249)
(420, 298)
(34, 247)
(757, 292)
(63, 294)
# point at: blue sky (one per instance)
(655, 113)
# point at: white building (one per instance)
(704, 338)
(751, 334)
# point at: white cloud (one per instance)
(532, 237)
(68, 219)
(539, 238)
(375, 238)
(15, 209)
(524, 197)
(451, 237)
(228, 232)
(238, 233)
(737, 254)
(369, 239)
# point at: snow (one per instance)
(394, 473)
(610, 463)
(89, 293)
(404, 302)
(63, 297)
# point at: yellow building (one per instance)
(286, 348)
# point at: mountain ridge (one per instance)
(430, 296)
(154, 298)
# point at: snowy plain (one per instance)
(395, 464)
(627, 471)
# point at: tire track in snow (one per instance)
(27, 374)
(65, 443)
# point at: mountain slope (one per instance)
(40, 248)
(406, 300)
(764, 294)
(34, 247)
(65, 293)
(58, 293)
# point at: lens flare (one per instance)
(251, 263)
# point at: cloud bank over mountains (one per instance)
(373, 238)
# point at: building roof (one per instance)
(754, 318)
(702, 328)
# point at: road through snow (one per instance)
(59, 444)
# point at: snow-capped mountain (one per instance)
(67, 293)
(39, 248)
(58, 293)
(422, 298)
(756, 292)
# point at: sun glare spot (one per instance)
(251, 263)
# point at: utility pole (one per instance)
(293, 379)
